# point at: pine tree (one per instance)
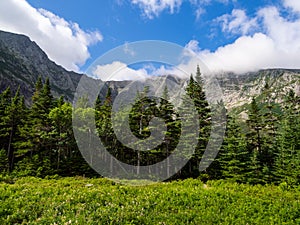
(233, 156)
(3, 162)
(62, 133)
(5, 101)
(255, 143)
(140, 116)
(172, 134)
(287, 162)
(12, 118)
(105, 129)
(36, 131)
(15, 113)
(195, 90)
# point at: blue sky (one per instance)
(122, 21)
(230, 35)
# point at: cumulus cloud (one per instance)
(64, 42)
(276, 44)
(247, 53)
(293, 4)
(267, 40)
(237, 22)
(152, 8)
(118, 71)
(285, 33)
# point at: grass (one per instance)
(100, 201)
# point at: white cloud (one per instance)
(247, 53)
(187, 64)
(152, 8)
(128, 50)
(118, 71)
(193, 46)
(199, 12)
(237, 22)
(64, 42)
(285, 33)
(276, 45)
(293, 4)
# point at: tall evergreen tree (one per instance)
(288, 157)
(255, 142)
(5, 101)
(37, 143)
(172, 134)
(234, 157)
(15, 114)
(10, 121)
(195, 90)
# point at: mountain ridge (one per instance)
(22, 61)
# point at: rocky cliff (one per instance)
(22, 62)
(239, 89)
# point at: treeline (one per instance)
(39, 140)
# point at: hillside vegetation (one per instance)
(38, 140)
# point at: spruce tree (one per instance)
(255, 143)
(12, 118)
(172, 134)
(37, 142)
(195, 90)
(5, 101)
(287, 162)
(233, 156)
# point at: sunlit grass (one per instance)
(100, 201)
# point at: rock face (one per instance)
(238, 90)
(22, 62)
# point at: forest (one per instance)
(264, 148)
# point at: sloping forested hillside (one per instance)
(263, 148)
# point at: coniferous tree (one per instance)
(234, 157)
(12, 118)
(35, 133)
(255, 143)
(15, 114)
(172, 134)
(271, 116)
(195, 90)
(5, 101)
(105, 129)
(61, 133)
(287, 162)
(4, 167)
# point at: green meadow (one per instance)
(100, 201)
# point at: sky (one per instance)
(227, 35)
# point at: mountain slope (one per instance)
(22, 62)
(240, 89)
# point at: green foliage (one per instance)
(288, 156)
(39, 140)
(234, 157)
(195, 90)
(99, 201)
